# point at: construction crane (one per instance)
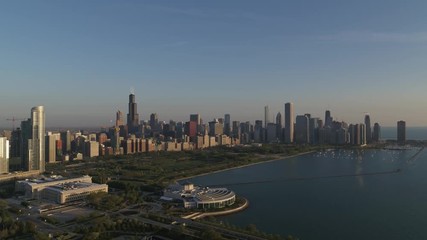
(13, 120)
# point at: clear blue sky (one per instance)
(80, 58)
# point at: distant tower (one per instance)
(132, 117)
(328, 119)
(368, 129)
(4, 155)
(376, 136)
(195, 125)
(289, 123)
(154, 120)
(302, 129)
(266, 116)
(33, 140)
(401, 132)
(279, 126)
(119, 118)
(227, 125)
(66, 141)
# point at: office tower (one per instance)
(368, 128)
(271, 133)
(289, 123)
(193, 125)
(33, 140)
(4, 155)
(154, 120)
(258, 131)
(313, 129)
(91, 149)
(362, 134)
(236, 129)
(328, 119)
(119, 118)
(376, 136)
(266, 116)
(279, 127)
(196, 118)
(66, 141)
(302, 129)
(215, 128)
(50, 148)
(132, 117)
(15, 143)
(401, 132)
(227, 124)
(179, 130)
(354, 130)
(115, 140)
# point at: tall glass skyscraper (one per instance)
(368, 128)
(132, 117)
(33, 140)
(401, 132)
(289, 123)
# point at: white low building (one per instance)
(59, 189)
(200, 197)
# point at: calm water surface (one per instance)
(303, 197)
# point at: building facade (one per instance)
(289, 122)
(401, 132)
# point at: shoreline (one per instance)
(200, 215)
(246, 165)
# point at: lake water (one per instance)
(317, 196)
(412, 133)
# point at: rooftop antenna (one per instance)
(132, 90)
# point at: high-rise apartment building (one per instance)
(132, 117)
(289, 122)
(368, 128)
(376, 136)
(33, 140)
(401, 132)
(4, 155)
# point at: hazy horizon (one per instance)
(79, 59)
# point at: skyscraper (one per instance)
(376, 136)
(328, 119)
(132, 117)
(266, 116)
(279, 127)
(368, 129)
(289, 122)
(4, 155)
(33, 140)
(302, 129)
(194, 127)
(227, 124)
(401, 132)
(66, 141)
(119, 118)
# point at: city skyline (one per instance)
(79, 59)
